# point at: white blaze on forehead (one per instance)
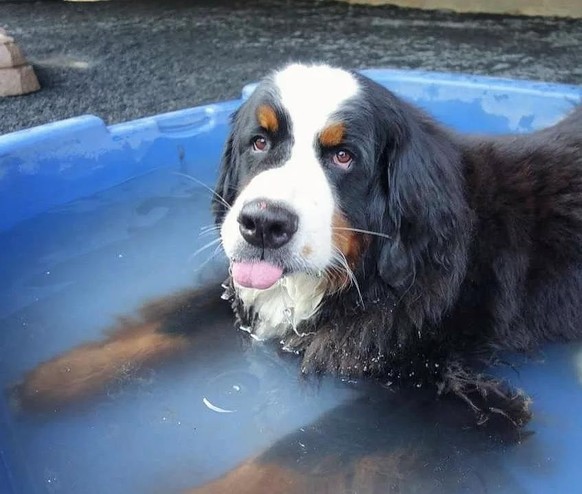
(311, 94)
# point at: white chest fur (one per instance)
(282, 307)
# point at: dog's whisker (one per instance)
(212, 256)
(350, 272)
(359, 230)
(341, 236)
(205, 231)
(207, 228)
(339, 256)
(204, 247)
(213, 192)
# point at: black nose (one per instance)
(267, 224)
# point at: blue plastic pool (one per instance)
(95, 220)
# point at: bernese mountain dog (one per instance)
(372, 241)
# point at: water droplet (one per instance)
(236, 387)
(288, 349)
(248, 329)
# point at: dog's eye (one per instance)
(343, 159)
(259, 143)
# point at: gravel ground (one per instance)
(122, 60)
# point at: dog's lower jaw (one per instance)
(280, 309)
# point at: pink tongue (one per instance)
(259, 275)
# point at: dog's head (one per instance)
(324, 169)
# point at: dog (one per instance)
(372, 242)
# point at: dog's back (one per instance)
(526, 191)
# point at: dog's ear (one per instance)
(426, 209)
(228, 175)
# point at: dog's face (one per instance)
(319, 155)
(296, 153)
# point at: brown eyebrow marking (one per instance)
(332, 135)
(268, 118)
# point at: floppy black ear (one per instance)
(228, 176)
(426, 208)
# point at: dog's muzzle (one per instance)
(268, 226)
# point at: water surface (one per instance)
(67, 274)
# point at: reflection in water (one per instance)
(382, 442)
(67, 275)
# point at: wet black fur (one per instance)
(485, 249)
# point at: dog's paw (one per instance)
(514, 407)
(490, 399)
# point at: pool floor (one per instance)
(67, 274)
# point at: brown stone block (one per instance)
(4, 38)
(10, 55)
(18, 80)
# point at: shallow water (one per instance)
(67, 274)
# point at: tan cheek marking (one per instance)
(267, 118)
(351, 244)
(333, 135)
